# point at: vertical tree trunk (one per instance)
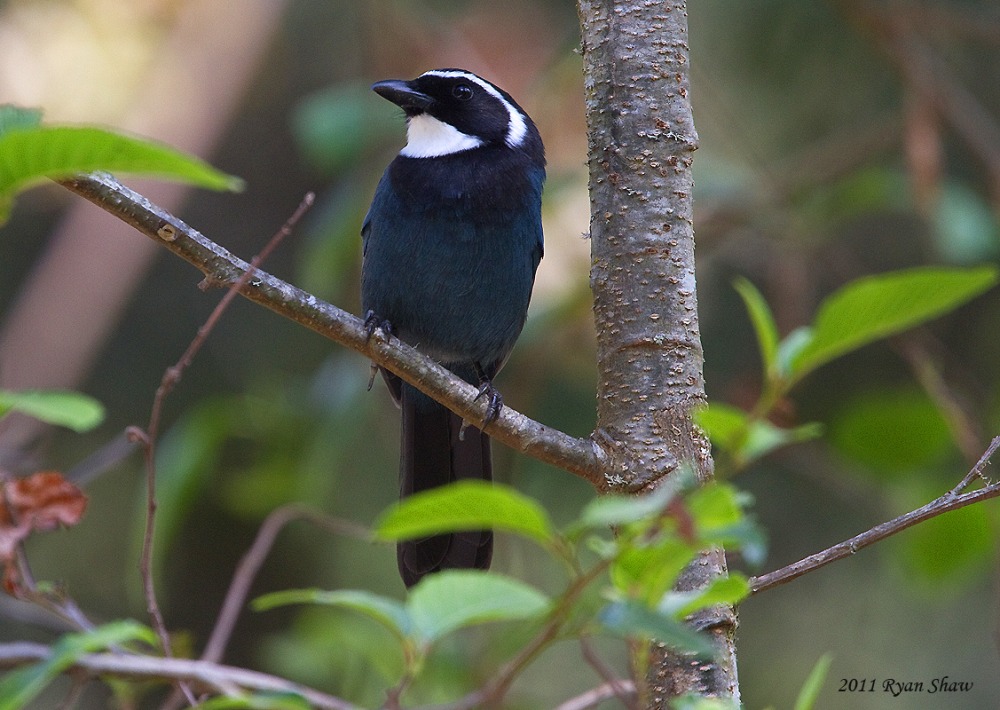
(641, 141)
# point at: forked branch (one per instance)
(952, 500)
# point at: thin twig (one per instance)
(963, 429)
(393, 695)
(75, 692)
(148, 438)
(101, 461)
(491, 693)
(205, 676)
(922, 69)
(977, 470)
(593, 698)
(252, 561)
(618, 685)
(580, 456)
(952, 500)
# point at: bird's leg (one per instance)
(375, 322)
(494, 399)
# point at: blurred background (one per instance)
(838, 139)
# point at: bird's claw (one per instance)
(494, 401)
(375, 322)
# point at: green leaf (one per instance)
(466, 505)
(746, 536)
(14, 117)
(875, 307)
(318, 647)
(608, 510)
(729, 590)
(763, 324)
(631, 619)
(764, 437)
(893, 432)
(453, 599)
(746, 439)
(859, 193)
(790, 347)
(646, 573)
(727, 426)
(717, 511)
(29, 156)
(19, 687)
(72, 646)
(715, 505)
(965, 226)
(814, 683)
(76, 411)
(693, 701)
(259, 701)
(388, 612)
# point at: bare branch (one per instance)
(923, 70)
(581, 457)
(977, 471)
(952, 500)
(593, 698)
(203, 675)
(624, 690)
(251, 563)
(148, 438)
(964, 430)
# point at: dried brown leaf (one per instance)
(41, 501)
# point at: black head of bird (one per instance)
(451, 111)
(451, 244)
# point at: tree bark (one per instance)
(641, 140)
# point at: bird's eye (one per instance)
(462, 92)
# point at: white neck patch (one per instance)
(427, 137)
(517, 128)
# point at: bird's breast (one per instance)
(450, 257)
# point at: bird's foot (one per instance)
(494, 401)
(375, 322)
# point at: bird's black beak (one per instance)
(403, 95)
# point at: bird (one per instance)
(450, 246)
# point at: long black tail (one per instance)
(434, 452)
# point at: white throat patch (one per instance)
(517, 127)
(427, 137)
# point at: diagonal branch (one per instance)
(952, 500)
(203, 675)
(593, 698)
(579, 456)
(253, 560)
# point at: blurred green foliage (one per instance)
(892, 433)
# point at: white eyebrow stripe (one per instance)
(517, 129)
